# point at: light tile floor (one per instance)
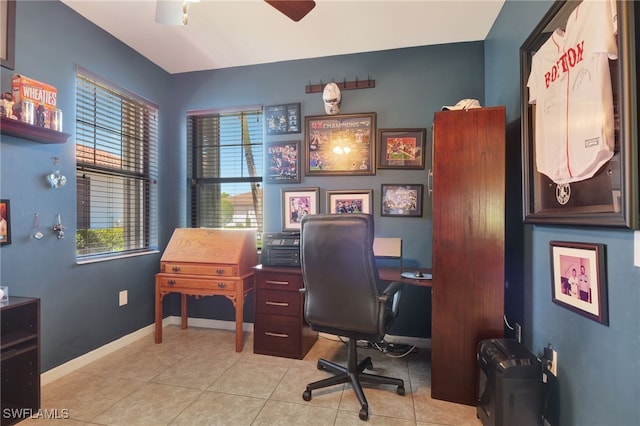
(195, 377)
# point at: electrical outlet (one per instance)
(123, 296)
(551, 358)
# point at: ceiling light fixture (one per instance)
(173, 12)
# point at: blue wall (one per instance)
(599, 367)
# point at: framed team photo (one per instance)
(283, 162)
(578, 279)
(401, 200)
(351, 201)
(592, 181)
(297, 203)
(401, 148)
(5, 223)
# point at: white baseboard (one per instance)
(79, 362)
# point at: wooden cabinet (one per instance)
(468, 245)
(20, 353)
(279, 328)
(207, 262)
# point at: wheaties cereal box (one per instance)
(41, 94)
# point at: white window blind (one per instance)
(116, 153)
(224, 157)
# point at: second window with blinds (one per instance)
(224, 155)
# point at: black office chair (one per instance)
(342, 295)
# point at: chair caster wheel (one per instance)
(306, 395)
(364, 414)
(400, 390)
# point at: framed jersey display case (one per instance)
(580, 116)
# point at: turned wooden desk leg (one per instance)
(158, 315)
(183, 309)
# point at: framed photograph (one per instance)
(296, 203)
(340, 144)
(282, 119)
(8, 36)
(401, 148)
(283, 162)
(578, 279)
(401, 200)
(611, 197)
(5, 223)
(358, 201)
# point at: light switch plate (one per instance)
(636, 248)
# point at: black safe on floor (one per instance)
(510, 384)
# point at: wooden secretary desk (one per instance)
(207, 262)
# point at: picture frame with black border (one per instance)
(283, 162)
(578, 279)
(282, 119)
(5, 222)
(401, 148)
(401, 200)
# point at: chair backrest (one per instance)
(388, 248)
(340, 275)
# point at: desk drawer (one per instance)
(279, 281)
(214, 270)
(277, 335)
(170, 281)
(279, 303)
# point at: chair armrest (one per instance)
(391, 289)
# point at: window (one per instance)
(116, 142)
(224, 157)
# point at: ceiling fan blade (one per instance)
(294, 9)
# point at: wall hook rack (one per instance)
(369, 83)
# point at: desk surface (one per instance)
(386, 273)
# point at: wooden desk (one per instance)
(234, 289)
(207, 262)
(389, 273)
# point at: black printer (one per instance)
(510, 384)
(281, 249)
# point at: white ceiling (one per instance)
(229, 33)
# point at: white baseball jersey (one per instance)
(570, 84)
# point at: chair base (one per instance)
(353, 374)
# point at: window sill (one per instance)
(105, 258)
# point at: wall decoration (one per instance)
(283, 162)
(401, 148)
(296, 203)
(578, 279)
(352, 201)
(340, 144)
(5, 223)
(401, 200)
(8, 36)
(611, 197)
(282, 119)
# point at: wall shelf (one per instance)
(34, 133)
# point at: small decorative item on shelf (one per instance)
(4, 294)
(37, 100)
(6, 106)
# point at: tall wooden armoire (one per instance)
(468, 245)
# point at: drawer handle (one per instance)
(278, 282)
(269, 333)
(284, 304)
(171, 282)
(220, 271)
(176, 269)
(222, 285)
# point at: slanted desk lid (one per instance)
(207, 245)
